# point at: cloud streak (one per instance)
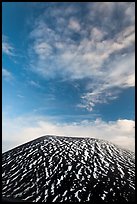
(34, 84)
(7, 47)
(7, 75)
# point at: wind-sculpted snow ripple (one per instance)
(68, 169)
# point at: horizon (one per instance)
(68, 73)
(67, 137)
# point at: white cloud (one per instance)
(74, 25)
(7, 75)
(20, 96)
(130, 12)
(97, 34)
(102, 52)
(7, 48)
(42, 49)
(34, 83)
(121, 75)
(23, 129)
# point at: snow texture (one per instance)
(67, 169)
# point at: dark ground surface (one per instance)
(62, 169)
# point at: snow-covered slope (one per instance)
(58, 169)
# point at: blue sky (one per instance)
(65, 65)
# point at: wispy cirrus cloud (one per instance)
(34, 84)
(119, 77)
(7, 47)
(120, 132)
(101, 51)
(20, 96)
(7, 75)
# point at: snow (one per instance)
(87, 163)
(77, 195)
(38, 198)
(121, 171)
(52, 188)
(132, 186)
(95, 175)
(103, 196)
(55, 198)
(69, 168)
(7, 182)
(3, 174)
(64, 193)
(86, 154)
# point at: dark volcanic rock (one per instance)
(66, 169)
